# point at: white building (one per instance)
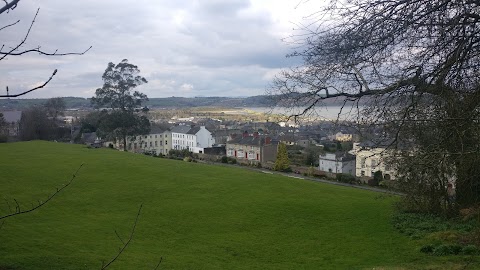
(337, 163)
(371, 158)
(194, 139)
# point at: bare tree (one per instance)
(416, 64)
(19, 49)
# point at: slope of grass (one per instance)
(195, 216)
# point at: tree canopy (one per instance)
(117, 94)
(416, 65)
(118, 83)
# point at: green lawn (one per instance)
(195, 216)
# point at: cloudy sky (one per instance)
(183, 48)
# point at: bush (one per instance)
(427, 248)
(224, 159)
(372, 182)
(187, 159)
(345, 178)
(443, 250)
(3, 138)
(469, 250)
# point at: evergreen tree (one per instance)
(282, 163)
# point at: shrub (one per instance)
(3, 138)
(469, 250)
(372, 182)
(345, 178)
(224, 159)
(443, 250)
(187, 159)
(427, 248)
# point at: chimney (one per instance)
(255, 134)
(245, 134)
(268, 140)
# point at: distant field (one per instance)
(195, 216)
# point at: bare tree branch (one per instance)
(28, 91)
(18, 210)
(9, 5)
(6, 26)
(125, 244)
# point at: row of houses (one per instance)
(161, 141)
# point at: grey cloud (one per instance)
(211, 47)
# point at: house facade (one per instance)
(337, 163)
(371, 158)
(252, 149)
(194, 139)
(157, 142)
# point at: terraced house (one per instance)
(252, 149)
(195, 138)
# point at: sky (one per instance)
(183, 48)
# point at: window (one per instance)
(362, 173)
(362, 162)
(145, 145)
(155, 136)
(374, 163)
(166, 142)
(251, 155)
(230, 152)
(240, 154)
(388, 167)
(151, 144)
(156, 143)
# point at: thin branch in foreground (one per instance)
(18, 211)
(28, 91)
(12, 24)
(37, 50)
(125, 244)
(24, 38)
(9, 6)
(158, 264)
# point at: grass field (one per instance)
(195, 216)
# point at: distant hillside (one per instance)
(169, 102)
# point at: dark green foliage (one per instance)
(378, 176)
(345, 178)
(282, 162)
(3, 138)
(119, 81)
(179, 154)
(470, 250)
(35, 125)
(123, 120)
(444, 250)
(224, 159)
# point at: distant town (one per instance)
(247, 135)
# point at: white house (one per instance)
(337, 163)
(371, 158)
(194, 139)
